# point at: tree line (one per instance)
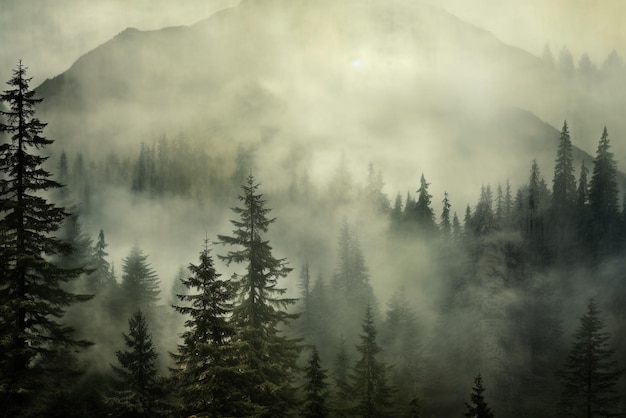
(248, 349)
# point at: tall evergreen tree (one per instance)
(207, 374)
(33, 294)
(564, 182)
(140, 283)
(315, 389)
(102, 275)
(371, 390)
(261, 307)
(135, 392)
(603, 197)
(590, 374)
(479, 409)
(423, 212)
(562, 225)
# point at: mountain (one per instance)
(400, 83)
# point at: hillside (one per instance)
(371, 79)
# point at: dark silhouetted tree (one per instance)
(603, 197)
(140, 283)
(315, 388)
(368, 379)
(478, 408)
(207, 374)
(423, 212)
(564, 182)
(135, 390)
(33, 290)
(260, 309)
(590, 374)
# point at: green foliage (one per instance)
(479, 407)
(260, 308)
(368, 380)
(208, 375)
(33, 291)
(315, 388)
(590, 374)
(140, 283)
(135, 391)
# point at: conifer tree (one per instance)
(603, 196)
(135, 392)
(479, 408)
(423, 212)
(590, 374)
(564, 182)
(368, 380)
(562, 225)
(315, 388)
(102, 276)
(207, 372)
(261, 307)
(140, 283)
(33, 291)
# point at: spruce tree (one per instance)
(33, 290)
(207, 372)
(368, 380)
(315, 388)
(135, 392)
(479, 408)
(564, 182)
(603, 197)
(423, 212)
(102, 275)
(260, 309)
(140, 283)
(562, 225)
(590, 374)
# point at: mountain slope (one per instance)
(400, 83)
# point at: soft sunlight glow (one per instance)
(356, 63)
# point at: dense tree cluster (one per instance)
(250, 348)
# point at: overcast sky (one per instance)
(49, 35)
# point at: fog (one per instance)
(161, 124)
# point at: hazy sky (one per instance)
(50, 35)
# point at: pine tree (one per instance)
(207, 372)
(562, 224)
(33, 291)
(140, 284)
(260, 310)
(315, 388)
(102, 275)
(483, 220)
(371, 391)
(423, 212)
(603, 197)
(564, 182)
(479, 409)
(135, 392)
(590, 374)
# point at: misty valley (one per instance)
(338, 225)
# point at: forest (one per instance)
(511, 307)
